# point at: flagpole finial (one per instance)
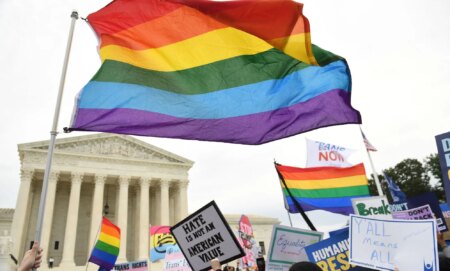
(74, 14)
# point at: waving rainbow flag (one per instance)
(234, 71)
(107, 247)
(326, 188)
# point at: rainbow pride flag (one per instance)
(326, 188)
(235, 71)
(107, 247)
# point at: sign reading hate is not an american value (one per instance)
(205, 235)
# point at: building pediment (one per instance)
(108, 145)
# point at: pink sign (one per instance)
(247, 242)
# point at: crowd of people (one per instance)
(33, 259)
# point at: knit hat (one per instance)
(304, 266)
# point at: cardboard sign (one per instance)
(174, 260)
(205, 235)
(287, 246)
(131, 266)
(372, 207)
(332, 253)
(384, 244)
(430, 199)
(419, 213)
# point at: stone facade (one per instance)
(136, 183)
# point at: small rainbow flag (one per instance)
(326, 188)
(107, 247)
(230, 71)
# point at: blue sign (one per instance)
(443, 146)
(332, 253)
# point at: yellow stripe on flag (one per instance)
(197, 51)
(108, 239)
(327, 183)
(296, 46)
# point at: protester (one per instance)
(443, 245)
(32, 258)
(304, 266)
(215, 265)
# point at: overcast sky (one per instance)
(399, 56)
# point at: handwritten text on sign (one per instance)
(385, 244)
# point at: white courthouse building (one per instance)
(135, 183)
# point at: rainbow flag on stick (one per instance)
(326, 188)
(107, 247)
(236, 71)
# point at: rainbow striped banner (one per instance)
(326, 188)
(107, 247)
(234, 71)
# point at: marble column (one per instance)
(144, 219)
(182, 210)
(164, 188)
(122, 215)
(19, 224)
(97, 209)
(48, 215)
(68, 257)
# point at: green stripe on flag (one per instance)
(229, 73)
(360, 190)
(107, 248)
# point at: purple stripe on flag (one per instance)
(331, 108)
(102, 263)
(346, 210)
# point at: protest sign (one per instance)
(321, 154)
(430, 199)
(160, 240)
(384, 244)
(422, 212)
(287, 246)
(332, 253)
(174, 260)
(205, 235)
(372, 207)
(443, 146)
(248, 243)
(132, 266)
(337, 232)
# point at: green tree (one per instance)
(432, 166)
(410, 175)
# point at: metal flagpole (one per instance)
(290, 220)
(54, 132)
(375, 175)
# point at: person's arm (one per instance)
(32, 258)
(215, 265)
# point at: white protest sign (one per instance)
(174, 260)
(372, 207)
(422, 212)
(321, 154)
(132, 266)
(384, 244)
(287, 246)
(205, 235)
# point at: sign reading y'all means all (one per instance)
(205, 235)
(385, 244)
